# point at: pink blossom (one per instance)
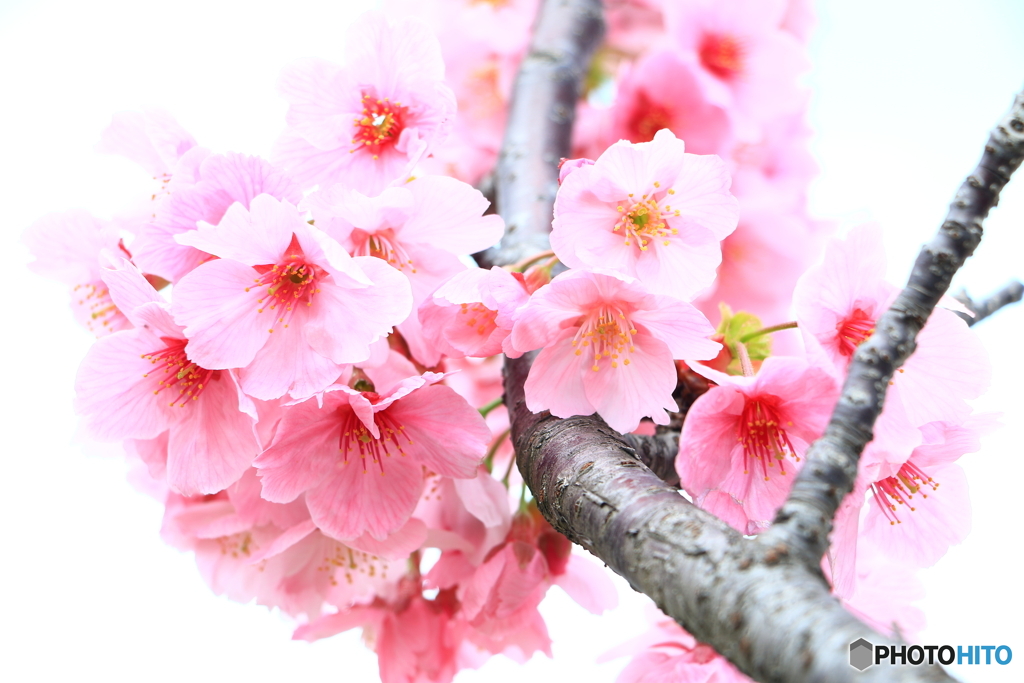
(419, 228)
(663, 91)
(837, 303)
(472, 313)
(743, 440)
(315, 451)
(668, 654)
(648, 211)
(139, 383)
(220, 181)
(746, 62)
(608, 347)
(152, 139)
(68, 248)
(919, 504)
(364, 123)
(884, 592)
(284, 301)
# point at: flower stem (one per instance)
(489, 458)
(530, 260)
(485, 411)
(767, 330)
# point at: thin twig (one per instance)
(805, 519)
(1011, 293)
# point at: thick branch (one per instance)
(1011, 293)
(539, 130)
(658, 452)
(804, 521)
(771, 616)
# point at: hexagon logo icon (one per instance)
(861, 654)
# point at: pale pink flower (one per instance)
(361, 457)
(152, 139)
(837, 303)
(220, 181)
(420, 228)
(68, 247)
(250, 548)
(668, 654)
(919, 504)
(647, 211)
(362, 124)
(284, 301)
(743, 440)
(608, 347)
(746, 62)
(139, 383)
(884, 592)
(472, 313)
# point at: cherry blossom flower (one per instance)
(472, 313)
(362, 124)
(284, 301)
(220, 181)
(839, 300)
(139, 383)
(648, 211)
(419, 228)
(919, 504)
(69, 247)
(360, 457)
(667, 653)
(152, 139)
(743, 440)
(608, 347)
(746, 62)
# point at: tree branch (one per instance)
(805, 519)
(1011, 293)
(763, 605)
(540, 119)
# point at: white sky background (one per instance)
(904, 92)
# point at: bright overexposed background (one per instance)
(904, 92)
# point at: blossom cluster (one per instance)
(303, 361)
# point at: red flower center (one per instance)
(179, 372)
(647, 119)
(764, 437)
(286, 285)
(722, 55)
(854, 331)
(358, 440)
(380, 125)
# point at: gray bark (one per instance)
(1010, 293)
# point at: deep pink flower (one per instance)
(284, 301)
(742, 441)
(419, 228)
(136, 384)
(220, 181)
(362, 124)
(662, 91)
(360, 457)
(608, 347)
(648, 211)
(746, 62)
